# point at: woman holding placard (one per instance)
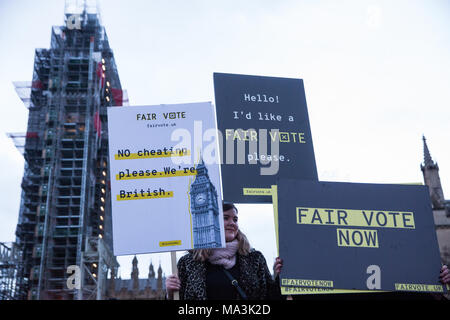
(234, 272)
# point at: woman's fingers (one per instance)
(173, 283)
(445, 275)
(278, 265)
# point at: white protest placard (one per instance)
(165, 178)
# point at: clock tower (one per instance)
(205, 210)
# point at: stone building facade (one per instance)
(441, 207)
(152, 288)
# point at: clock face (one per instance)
(200, 198)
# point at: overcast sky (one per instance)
(376, 76)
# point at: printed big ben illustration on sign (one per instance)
(205, 210)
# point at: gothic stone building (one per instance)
(441, 207)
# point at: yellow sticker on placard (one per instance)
(170, 243)
(257, 191)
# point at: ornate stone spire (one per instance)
(135, 274)
(430, 171)
(427, 160)
(151, 271)
(159, 283)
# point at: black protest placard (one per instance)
(265, 134)
(357, 236)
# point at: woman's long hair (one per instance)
(243, 243)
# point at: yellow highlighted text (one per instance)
(148, 154)
(357, 238)
(355, 218)
(307, 283)
(143, 194)
(148, 174)
(418, 287)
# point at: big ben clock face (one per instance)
(200, 198)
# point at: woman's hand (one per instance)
(172, 284)
(277, 266)
(444, 276)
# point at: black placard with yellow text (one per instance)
(356, 236)
(265, 134)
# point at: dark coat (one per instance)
(254, 278)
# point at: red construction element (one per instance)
(37, 85)
(32, 135)
(100, 74)
(117, 95)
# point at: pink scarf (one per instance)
(225, 257)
